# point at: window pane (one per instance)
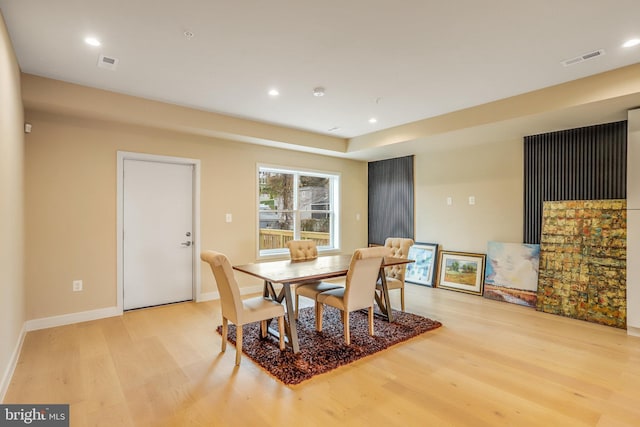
(314, 204)
(320, 223)
(295, 205)
(313, 193)
(276, 209)
(276, 229)
(276, 190)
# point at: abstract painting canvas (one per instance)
(511, 274)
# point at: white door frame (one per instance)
(125, 155)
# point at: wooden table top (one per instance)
(324, 267)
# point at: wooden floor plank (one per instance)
(491, 364)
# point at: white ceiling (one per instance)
(398, 61)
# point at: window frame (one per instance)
(334, 212)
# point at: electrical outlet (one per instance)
(77, 285)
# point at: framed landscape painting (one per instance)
(461, 271)
(423, 270)
(512, 273)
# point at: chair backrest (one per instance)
(302, 250)
(230, 300)
(360, 285)
(400, 249)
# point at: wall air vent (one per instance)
(107, 62)
(583, 57)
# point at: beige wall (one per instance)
(71, 192)
(492, 173)
(71, 183)
(71, 203)
(12, 302)
(633, 223)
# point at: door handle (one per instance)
(187, 244)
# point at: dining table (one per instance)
(289, 273)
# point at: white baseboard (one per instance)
(208, 296)
(8, 373)
(633, 331)
(67, 319)
(83, 316)
(101, 313)
(257, 289)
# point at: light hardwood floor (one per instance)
(491, 364)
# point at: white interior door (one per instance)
(157, 233)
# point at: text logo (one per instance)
(34, 415)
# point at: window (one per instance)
(294, 204)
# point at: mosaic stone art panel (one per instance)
(583, 256)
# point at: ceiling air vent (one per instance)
(583, 57)
(107, 62)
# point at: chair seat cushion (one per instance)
(259, 308)
(333, 297)
(391, 284)
(310, 290)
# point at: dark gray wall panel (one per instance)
(391, 200)
(588, 163)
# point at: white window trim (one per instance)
(335, 194)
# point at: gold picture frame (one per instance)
(461, 271)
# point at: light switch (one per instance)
(449, 201)
(228, 217)
(472, 200)
(357, 217)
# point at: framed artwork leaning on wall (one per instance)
(461, 271)
(423, 270)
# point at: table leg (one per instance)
(270, 292)
(383, 300)
(292, 331)
(290, 324)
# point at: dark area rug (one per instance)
(324, 351)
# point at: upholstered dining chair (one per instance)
(359, 290)
(395, 274)
(237, 310)
(305, 250)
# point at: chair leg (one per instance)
(371, 320)
(281, 332)
(319, 313)
(297, 304)
(263, 328)
(402, 298)
(225, 330)
(345, 323)
(238, 344)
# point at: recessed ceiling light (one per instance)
(92, 41)
(274, 92)
(373, 120)
(318, 91)
(631, 43)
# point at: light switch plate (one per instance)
(228, 217)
